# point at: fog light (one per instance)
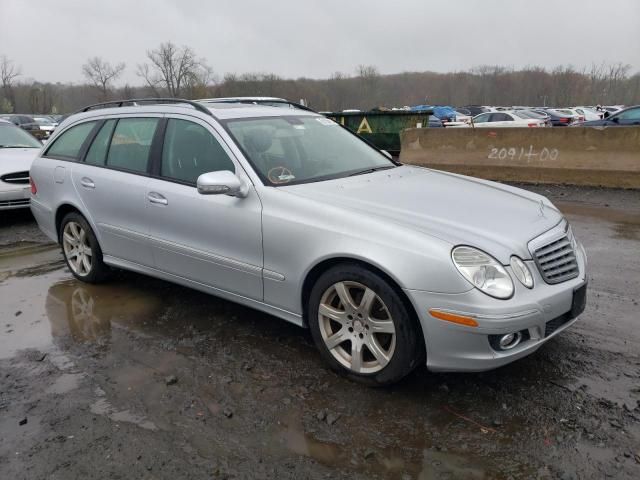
(509, 341)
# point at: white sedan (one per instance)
(17, 151)
(588, 113)
(513, 118)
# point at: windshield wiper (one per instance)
(16, 146)
(371, 170)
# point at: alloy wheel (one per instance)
(77, 250)
(357, 327)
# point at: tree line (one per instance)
(174, 71)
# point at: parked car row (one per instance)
(40, 126)
(519, 116)
(514, 116)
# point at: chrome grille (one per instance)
(16, 177)
(557, 260)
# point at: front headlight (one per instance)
(483, 271)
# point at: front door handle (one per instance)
(155, 197)
(86, 182)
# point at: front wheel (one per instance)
(362, 327)
(81, 249)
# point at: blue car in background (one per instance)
(626, 117)
(445, 114)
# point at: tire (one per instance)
(388, 338)
(86, 265)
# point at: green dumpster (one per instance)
(382, 128)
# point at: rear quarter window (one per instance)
(69, 144)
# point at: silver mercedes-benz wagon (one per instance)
(286, 211)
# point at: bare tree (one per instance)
(101, 74)
(8, 73)
(369, 77)
(174, 69)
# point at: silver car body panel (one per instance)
(259, 250)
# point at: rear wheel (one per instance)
(81, 249)
(362, 327)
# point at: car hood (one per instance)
(496, 218)
(16, 159)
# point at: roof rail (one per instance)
(257, 101)
(133, 102)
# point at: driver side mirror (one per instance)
(222, 182)
(615, 120)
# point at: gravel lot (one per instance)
(139, 378)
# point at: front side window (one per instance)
(190, 150)
(69, 144)
(631, 114)
(481, 118)
(131, 144)
(299, 149)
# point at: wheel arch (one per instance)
(322, 266)
(64, 209)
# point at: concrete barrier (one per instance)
(608, 157)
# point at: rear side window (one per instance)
(131, 144)
(69, 144)
(189, 151)
(97, 154)
(501, 117)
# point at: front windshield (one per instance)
(44, 122)
(300, 149)
(14, 137)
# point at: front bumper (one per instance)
(12, 196)
(541, 312)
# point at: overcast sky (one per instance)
(314, 38)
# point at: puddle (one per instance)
(103, 407)
(24, 321)
(53, 305)
(419, 463)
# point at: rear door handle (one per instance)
(155, 197)
(87, 183)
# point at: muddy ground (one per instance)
(139, 378)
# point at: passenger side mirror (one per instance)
(222, 182)
(615, 120)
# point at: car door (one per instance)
(112, 183)
(628, 117)
(215, 240)
(482, 120)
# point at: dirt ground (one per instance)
(139, 378)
